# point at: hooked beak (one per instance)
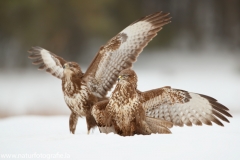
(65, 66)
(119, 77)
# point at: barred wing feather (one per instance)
(182, 107)
(47, 61)
(121, 52)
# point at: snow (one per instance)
(28, 92)
(43, 135)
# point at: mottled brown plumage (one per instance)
(124, 111)
(182, 107)
(81, 90)
(158, 108)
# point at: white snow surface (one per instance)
(44, 136)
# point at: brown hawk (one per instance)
(128, 110)
(82, 90)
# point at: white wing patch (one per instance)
(52, 63)
(47, 60)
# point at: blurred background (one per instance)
(199, 51)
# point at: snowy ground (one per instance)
(28, 92)
(49, 137)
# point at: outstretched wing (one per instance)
(182, 107)
(47, 61)
(121, 51)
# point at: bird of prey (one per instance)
(82, 90)
(128, 110)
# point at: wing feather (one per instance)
(47, 60)
(182, 107)
(99, 113)
(122, 51)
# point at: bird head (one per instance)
(127, 75)
(71, 67)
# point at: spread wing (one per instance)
(182, 107)
(121, 51)
(47, 61)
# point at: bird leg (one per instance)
(73, 119)
(132, 129)
(91, 123)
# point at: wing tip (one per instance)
(35, 52)
(219, 111)
(159, 16)
(35, 48)
(218, 107)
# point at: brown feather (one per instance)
(37, 61)
(34, 56)
(161, 122)
(208, 98)
(197, 122)
(159, 129)
(205, 121)
(221, 111)
(219, 105)
(73, 122)
(215, 120)
(42, 66)
(220, 116)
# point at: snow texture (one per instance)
(50, 135)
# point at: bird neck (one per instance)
(71, 83)
(125, 90)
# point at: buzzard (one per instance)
(130, 111)
(82, 90)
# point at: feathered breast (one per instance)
(123, 104)
(76, 96)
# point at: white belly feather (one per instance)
(125, 114)
(77, 101)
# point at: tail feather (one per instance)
(159, 129)
(144, 129)
(157, 122)
(159, 126)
